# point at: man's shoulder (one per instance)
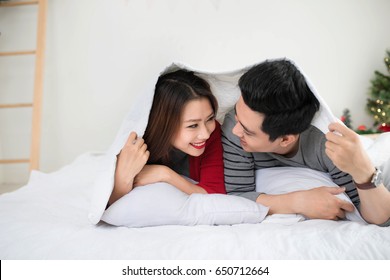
(312, 133)
(228, 123)
(229, 118)
(312, 146)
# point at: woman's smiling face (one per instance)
(196, 125)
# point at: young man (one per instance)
(271, 126)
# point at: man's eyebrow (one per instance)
(245, 128)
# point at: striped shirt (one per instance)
(240, 166)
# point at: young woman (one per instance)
(182, 138)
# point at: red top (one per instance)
(207, 169)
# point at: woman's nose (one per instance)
(204, 133)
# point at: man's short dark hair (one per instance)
(278, 90)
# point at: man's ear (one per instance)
(288, 140)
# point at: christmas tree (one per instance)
(346, 118)
(378, 104)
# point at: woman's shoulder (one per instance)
(217, 131)
(215, 137)
(217, 125)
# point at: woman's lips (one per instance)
(198, 145)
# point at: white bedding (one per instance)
(47, 219)
(54, 215)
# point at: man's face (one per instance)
(248, 129)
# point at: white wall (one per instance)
(100, 55)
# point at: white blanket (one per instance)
(50, 217)
(47, 219)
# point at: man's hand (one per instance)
(317, 203)
(322, 203)
(347, 153)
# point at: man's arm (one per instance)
(339, 177)
(319, 203)
(347, 153)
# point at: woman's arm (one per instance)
(160, 173)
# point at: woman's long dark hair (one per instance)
(172, 92)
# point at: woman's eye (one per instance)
(211, 118)
(193, 126)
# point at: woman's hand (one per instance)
(131, 160)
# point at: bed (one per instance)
(58, 216)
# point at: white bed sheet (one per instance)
(48, 219)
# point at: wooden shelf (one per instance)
(20, 3)
(22, 160)
(18, 53)
(16, 105)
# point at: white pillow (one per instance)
(279, 180)
(385, 167)
(162, 204)
(379, 150)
